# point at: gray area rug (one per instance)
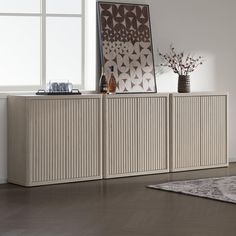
(222, 189)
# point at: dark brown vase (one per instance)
(184, 84)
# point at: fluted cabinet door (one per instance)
(214, 130)
(186, 135)
(199, 131)
(64, 139)
(47, 140)
(153, 134)
(136, 135)
(120, 141)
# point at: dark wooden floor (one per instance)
(118, 207)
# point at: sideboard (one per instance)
(59, 139)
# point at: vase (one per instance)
(184, 84)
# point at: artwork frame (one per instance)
(126, 44)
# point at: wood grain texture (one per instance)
(115, 207)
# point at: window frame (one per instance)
(43, 15)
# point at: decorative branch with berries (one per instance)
(180, 64)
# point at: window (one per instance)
(47, 40)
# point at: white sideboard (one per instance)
(199, 131)
(136, 134)
(58, 139)
(54, 139)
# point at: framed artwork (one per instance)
(126, 44)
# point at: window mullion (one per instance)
(83, 44)
(43, 43)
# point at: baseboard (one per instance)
(3, 180)
(232, 159)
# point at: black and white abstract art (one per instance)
(126, 44)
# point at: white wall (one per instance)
(3, 139)
(204, 27)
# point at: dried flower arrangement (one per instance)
(180, 64)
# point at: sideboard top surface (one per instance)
(107, 96)
(54, 97)
(136, 95)
(211, 93)
(91, 96)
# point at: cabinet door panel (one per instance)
(120, 136)
(47, 140)
(213, 130)
(186, 132)
(64, 139)
(152, 134)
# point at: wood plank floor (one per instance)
(117, 207)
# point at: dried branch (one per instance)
(180, 63)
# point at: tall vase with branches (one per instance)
(182, 65)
